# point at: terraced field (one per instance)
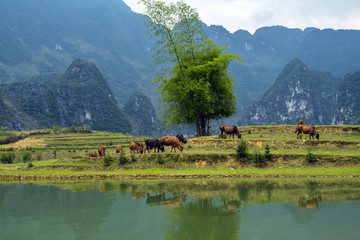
(338, 148)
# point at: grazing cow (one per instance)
(230, 130)
(101, 151)
(308, 130)
(135, 147)
(181, 138)
(119, 149)
(93, 154)
(300, 122)
(153, 143)
(141, 146)
(171, 141)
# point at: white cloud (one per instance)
(253, 14)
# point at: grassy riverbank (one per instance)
(65, 156)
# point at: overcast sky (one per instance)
(252, 14)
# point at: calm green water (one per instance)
(201, 209)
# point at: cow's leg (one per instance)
(298, 135)
(221, 133)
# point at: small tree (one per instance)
(242, 150)
(107, 160)
(7, 157)
(310, 158)
(267, 153)
(259, 159)
(123, 160)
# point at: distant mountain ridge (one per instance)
(80, 96)
(314, 96)
(42, 36)
(347, 100)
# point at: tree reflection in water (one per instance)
(201, 219)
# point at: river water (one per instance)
(195, 209)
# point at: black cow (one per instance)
(181, 138)
(154, 143)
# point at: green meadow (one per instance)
(46, 153)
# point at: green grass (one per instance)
(71, 150)
(201, 171)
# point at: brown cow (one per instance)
(308, 130)
(231, 130)
(171, 141)
(101, 151)
(135, 147)
(141, 146)
(119, 149)
(300, 122)
(93, 154)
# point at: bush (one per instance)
(108, 160)
(259, 159)
(11, 139)
(160, 159)
(26, 156)
(30, 165)
(267, 153)
(242, 150)
(133, 158)
(8, 157)
(123, 160)
(310, 158)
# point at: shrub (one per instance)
(242, 150)
(7, 157)
(123, 160)
(107, 160)
(26, 156)
(267, 153)
(133, 158)
(4, 132)
(11, 139)
(160, 159)
(30, 165)
(259, 159)
(310, 158)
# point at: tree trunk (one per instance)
(202, 126)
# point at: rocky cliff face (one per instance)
(347, 101)
(298, 93)
(142, 116)
(80, 96)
